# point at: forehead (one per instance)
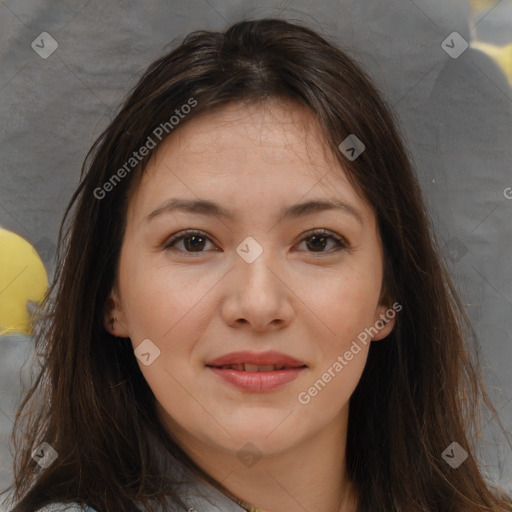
(276, 131)
(259, 150)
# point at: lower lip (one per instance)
(258, 381)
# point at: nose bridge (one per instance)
(258, 294)
(255, 263)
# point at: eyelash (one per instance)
(341, 242)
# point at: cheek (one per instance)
(328, 392)
(156, 298)
(346, 304)
(346, 311)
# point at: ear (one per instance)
(114, 319)
(385, 316)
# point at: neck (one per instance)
(311, 476)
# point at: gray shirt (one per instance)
(199, 495)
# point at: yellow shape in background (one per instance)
(23, 278)
(502, 55)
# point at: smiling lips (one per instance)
(256, 372)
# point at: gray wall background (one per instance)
(455, 114)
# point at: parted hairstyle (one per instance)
(420, 390)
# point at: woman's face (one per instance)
(260, 278)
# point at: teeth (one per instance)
(238, 367)
(253, 367)
(262, 367)
(267, 368)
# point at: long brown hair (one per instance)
(419, 391)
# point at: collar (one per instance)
(198, 494)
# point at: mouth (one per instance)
(256, 372)
(247, 367)
(255, 361)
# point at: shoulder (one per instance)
(67, 507)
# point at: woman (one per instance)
(249, 311)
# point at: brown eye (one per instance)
(316, 242)
(193, 241)
(319, 240)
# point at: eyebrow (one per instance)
(210, 208)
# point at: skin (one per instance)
(196, 303)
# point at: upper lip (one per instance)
(259, 358)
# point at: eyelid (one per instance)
(177, 237)
(340, 240)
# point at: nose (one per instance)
(257, 295)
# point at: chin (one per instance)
(268, 439)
